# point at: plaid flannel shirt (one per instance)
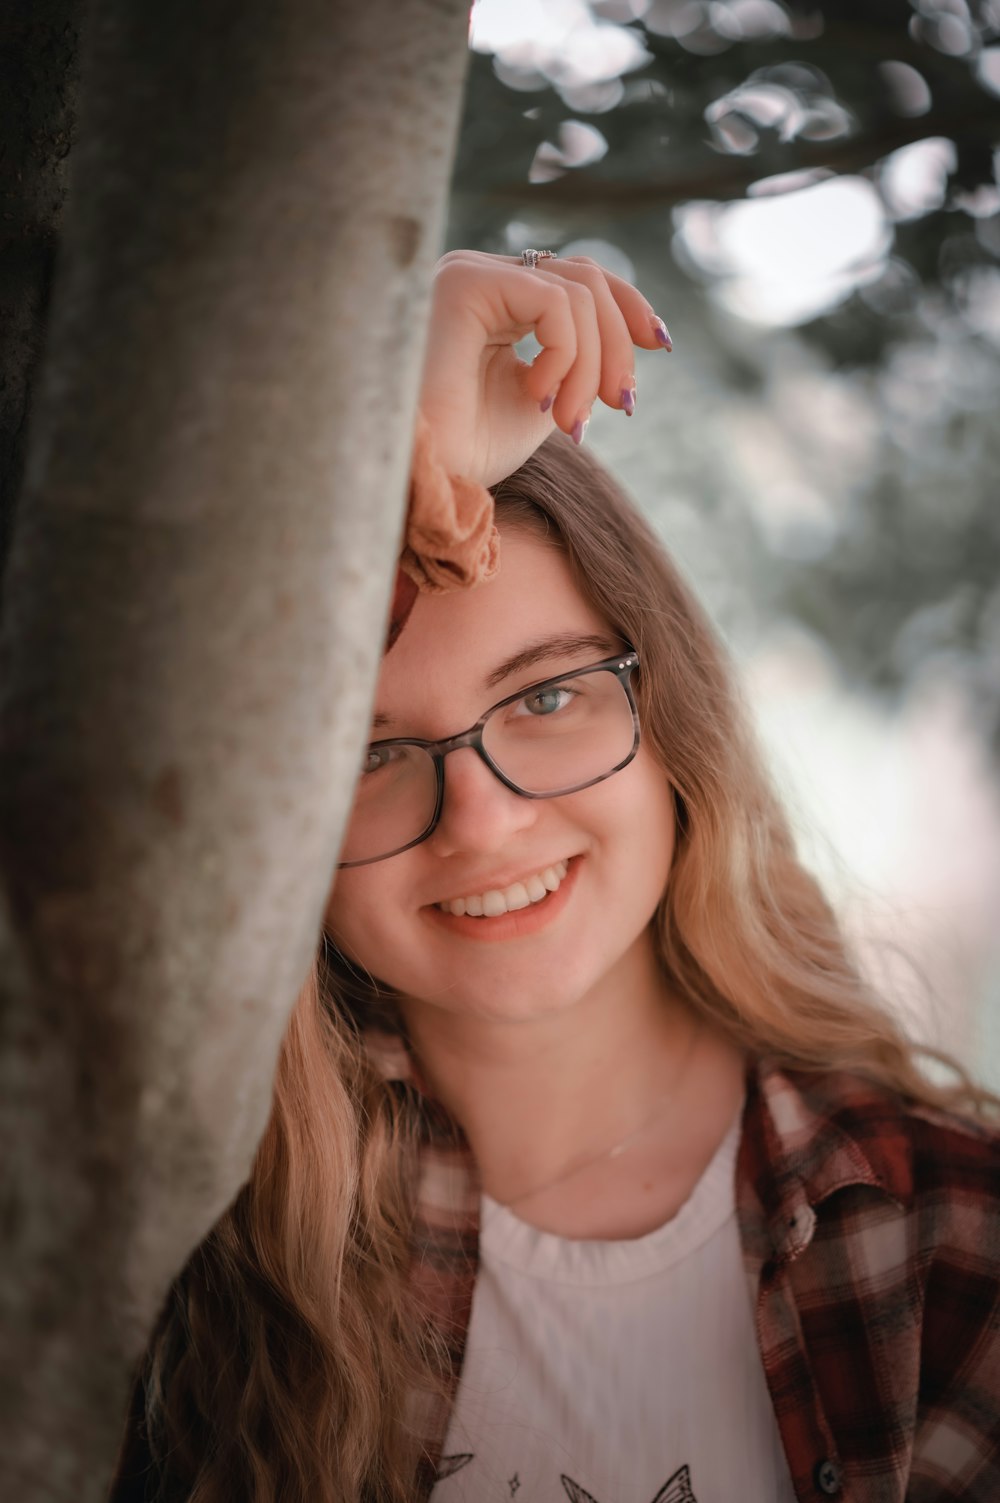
(871, 1240)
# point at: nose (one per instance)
(479, 812)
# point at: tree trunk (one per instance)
(195, 606)
(38, 78)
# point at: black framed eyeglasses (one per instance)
(555, 737)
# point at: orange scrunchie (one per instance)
(451, 542)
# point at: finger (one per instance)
(616, 386)
(646, 328)
(556, 327)
(579, 388)
(508, 304)
(618, 304)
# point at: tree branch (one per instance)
(730, 177)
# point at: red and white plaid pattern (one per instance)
(871, 1241)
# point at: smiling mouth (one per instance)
(498, 901)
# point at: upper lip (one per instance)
(494, 884)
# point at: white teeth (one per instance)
(519, 895)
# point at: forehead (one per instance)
(452, 645)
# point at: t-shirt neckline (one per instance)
(505, 1239)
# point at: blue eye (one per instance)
(546, 701)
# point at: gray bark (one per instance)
(195, 605)
(38, 78)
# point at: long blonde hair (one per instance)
(281, 1362)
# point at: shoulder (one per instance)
(834, 1131)
(952, 1149)
(878, 1220)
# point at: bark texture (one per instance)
(38, 78)
(195, 604)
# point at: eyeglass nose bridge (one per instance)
(473, 739)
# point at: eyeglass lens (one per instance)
(556, 738)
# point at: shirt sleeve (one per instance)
(956, 1445)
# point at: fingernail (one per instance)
(662, 334)
(628, 400)
(546, 402)
(580, 429)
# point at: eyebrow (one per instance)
(563, 645)
(543, 650)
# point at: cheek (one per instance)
(650, 829)
(647, 810)
(358, 916)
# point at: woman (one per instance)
(594, 1170)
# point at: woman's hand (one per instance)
(487, 409)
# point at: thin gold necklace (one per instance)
(666, 1099)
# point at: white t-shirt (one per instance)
(615, 1372)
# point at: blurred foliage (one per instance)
(884, 402)
(704, 118)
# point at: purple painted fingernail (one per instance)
(580, 429)
(662, 334)
(546, 402)
(628, 400)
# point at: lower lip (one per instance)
(516, 925)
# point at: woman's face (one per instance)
(616, 837)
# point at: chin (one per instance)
(514, 991)
(500, 1012)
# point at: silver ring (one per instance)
(531, 258)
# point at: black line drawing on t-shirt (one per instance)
(449, 1465)
(676, 1489)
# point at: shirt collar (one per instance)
(805, 1137)
(809, 1135)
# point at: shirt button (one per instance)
(827, 1477)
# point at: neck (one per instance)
(540, 1094)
